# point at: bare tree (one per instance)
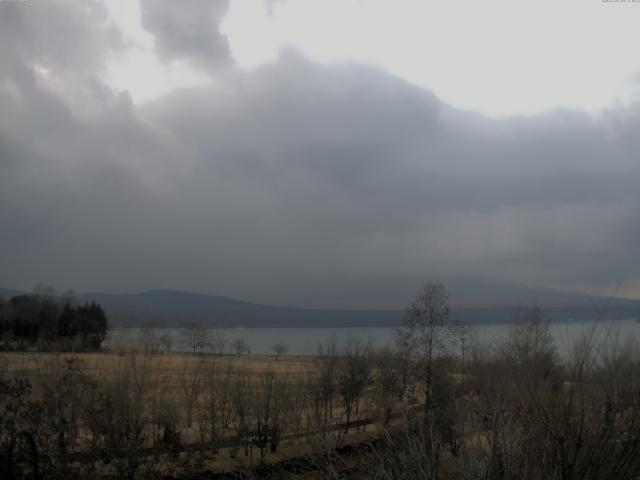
(426, 332)
(191, 379)
(240, 346)
(387, 381)
(353, 377)
(241, 395)
(195, 336)
(215, 408)
(530, 348)
(149, 339)
(218, 342)
(280, 349)
(122, 411)
(270, 410)
(166, 341)
(322, 385)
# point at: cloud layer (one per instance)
(188, 30)
(298, 183)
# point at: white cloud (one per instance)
(499, 57)
(137, 68)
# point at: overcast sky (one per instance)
(321, 152)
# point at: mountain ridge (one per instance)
(173, 308)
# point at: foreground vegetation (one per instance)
(441, 405)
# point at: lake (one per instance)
(304, 341)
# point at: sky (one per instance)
(321, 153)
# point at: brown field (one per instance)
(169, 365)
(169, 392)
(349, 414)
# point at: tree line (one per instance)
(44, 320)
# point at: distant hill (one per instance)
(170, 308)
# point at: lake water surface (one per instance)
(304, 341)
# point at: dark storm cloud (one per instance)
(70, 186)
(299, 183)
(188, 29)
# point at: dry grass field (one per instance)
(224, 412)
(169, 365)
(517, 411)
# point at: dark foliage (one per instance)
(39, 320)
